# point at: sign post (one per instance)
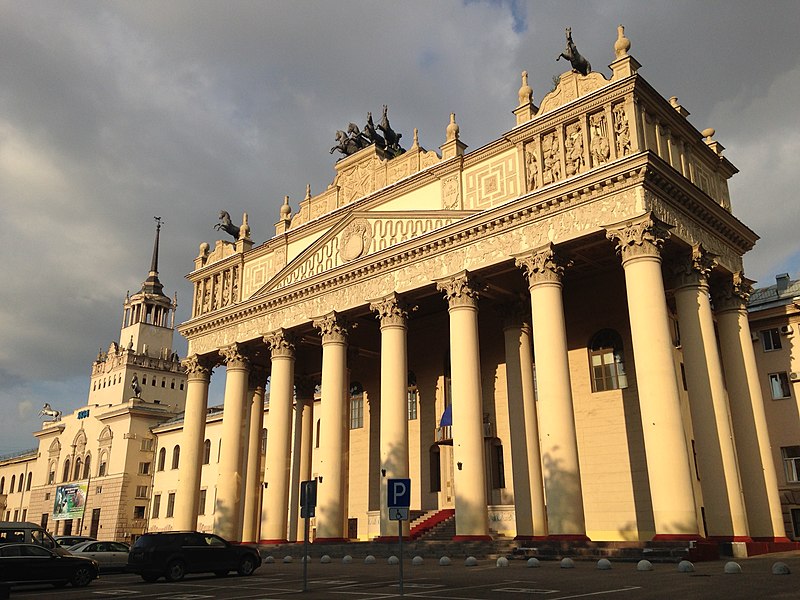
(399, 500)
(308, 505)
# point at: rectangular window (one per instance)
(141, 491)
(201, 510)
(791, 463)
(147, 445)
(357, 412)
(779, 385)
(138, 512)
(24, 514)
(47, 495)
(170, 504)
(98, 489)
(796, 523)
(412, 404)
(771, 339)
(144, 468)
(156, 505)
(499, 470)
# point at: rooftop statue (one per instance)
(227, 225)
(47, 411)
(373, 136)
(137, 389)
(578, 62)
(351, 141)
(392, 138)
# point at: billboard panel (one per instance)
(70, 501)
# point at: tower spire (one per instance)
(152, 285)
(154, 262)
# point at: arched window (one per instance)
(21, 482)
(11, 487)
(86, 466)
(101, 469)
(607, 361)
(2, 485)
(207, 452)
(176, 456)
(162, 459)
(65, 474)
(78, 465)
(28, 482)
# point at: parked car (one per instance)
(109, 555)
(31, 563)
(65, 541)
(23, 532)
(172, 554)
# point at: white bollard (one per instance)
(347, 559)
(567, 563)
(471, 562)
(393, 560)
(444, 561)
(604, 564)
(685, 566)
(644, 565)
(732, 568)
(369, 560)
(780, 568)
(502, 561)
(269, 560)
(287, 559)
(325, 559)
(417, 561)
(533, 562)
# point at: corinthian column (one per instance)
(277, 470)
(252, 498)
(229, 478)
(759, 481)
(461, 293)
(330, 512)
(529, 504)
(708, 400)
(639, 241)
(198, 370)
(559, 442)
(302, 449)
(394, 401)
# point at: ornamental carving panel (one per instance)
(257, 273)
(451, 192)
(551, 158)
(355, 240)
(573, 144)
(599, 147)
(491, 183)
(622, 133)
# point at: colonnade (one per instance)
(739, 491)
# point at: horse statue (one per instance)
(48, 411)
(359, 138)
(345, 144)
(137, 389)
(227, 225)
(578, 62)
(373, 136)
(392, 138)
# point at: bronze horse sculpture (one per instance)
(227, 225)
(578, 62)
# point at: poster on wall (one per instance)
(70, 501)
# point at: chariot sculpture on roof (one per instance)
(351, 141)
(578, 62)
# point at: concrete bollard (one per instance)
(417, 561)
(325, 559)
(471, 562)
(533, 562)
(567, 563)
(604, 564)
(780, 568)
(644, 565)
(347, 559)
(393, 560)
(369, 560)
(685, 566)
(269, 560)
(287, 559)
(502, 561)
(444, 561)
(733, 568)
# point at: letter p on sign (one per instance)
(399, 495)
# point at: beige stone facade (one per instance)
(774, 313)
(107, 444)
(555, 292)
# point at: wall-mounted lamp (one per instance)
(383, 472)
(459, 465)
(319, 478)
(265, 484)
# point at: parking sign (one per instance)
(399, 495)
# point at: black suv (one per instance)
(172, 554)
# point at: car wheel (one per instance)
(247, 566)
(176, 570)
(82, 577)
(221, 573)
(150, 578)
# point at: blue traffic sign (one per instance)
(399, 495)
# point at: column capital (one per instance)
(643, 236)
(281, 343)
(333, 328)
(732, 294)
(304, 387)
(258, 377)
(235, 356)
(693, 270)
(543, 265)
(515, 314)
(391, 311)
(198, 367)
(461, 289)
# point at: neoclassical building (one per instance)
(104, 451)
(547, 334)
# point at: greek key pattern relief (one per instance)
(258, 272)
(492, 183)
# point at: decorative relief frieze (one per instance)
(217, 290)
(543, 265)
(599, 147)
(491, 183)
(570, 86)
(258, 272)
(281, 343)
(574, 149)
(622, 133)
(531, 166)
(551, 158)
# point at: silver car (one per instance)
(109, 555)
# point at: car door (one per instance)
(117, 555)
(221, 555)
(40, 564)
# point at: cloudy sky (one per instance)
(114, 112)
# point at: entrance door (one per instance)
(95, 523)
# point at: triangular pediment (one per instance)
(357, 235)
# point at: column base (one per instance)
(568, 537)
(676, 537)
(729, 538)
(271, 542)
(773, 540)
(531, 538)
(472, 538)
(331, 540)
